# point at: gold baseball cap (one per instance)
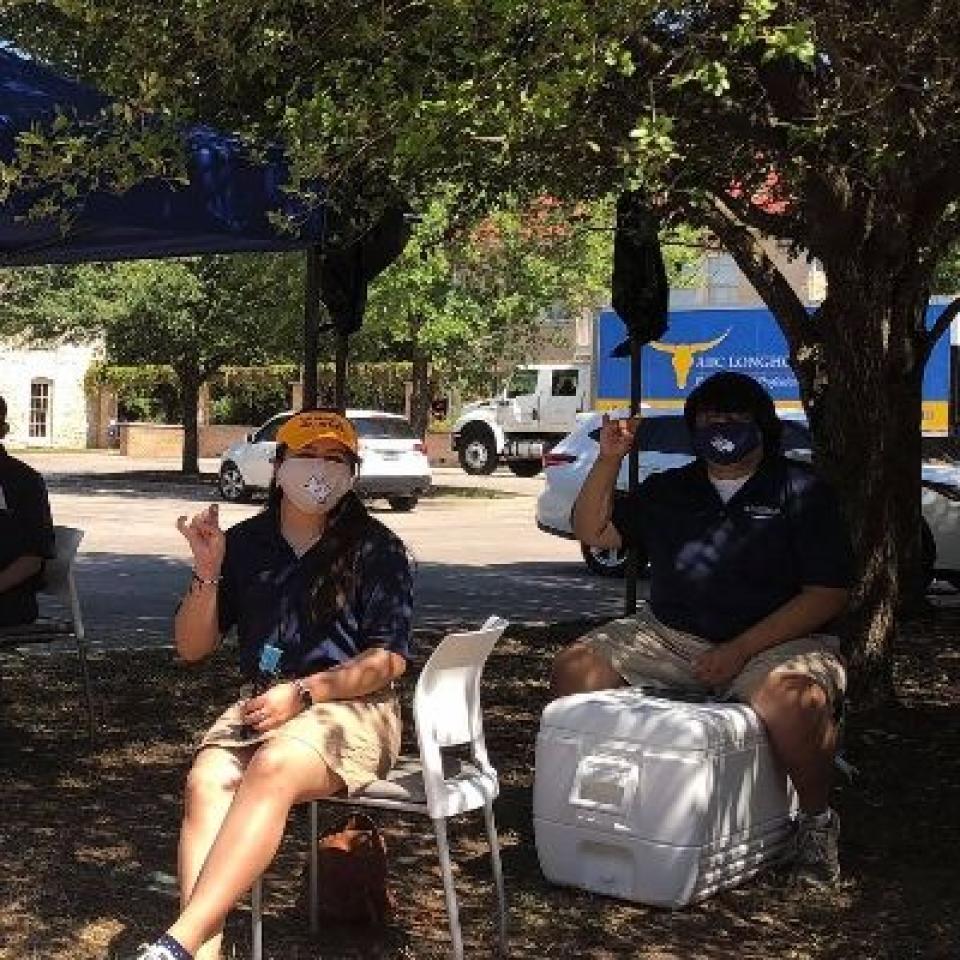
(302, 429)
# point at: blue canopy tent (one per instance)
(225, 207)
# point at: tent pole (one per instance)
(633, 474)
(311, 327)
(340, 383)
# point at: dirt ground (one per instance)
(88, 832)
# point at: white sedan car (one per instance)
(665, 443)
(393, 460)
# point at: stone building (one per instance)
(47, 402)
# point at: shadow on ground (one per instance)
(131, 597)
(142, 483)
(88, 835)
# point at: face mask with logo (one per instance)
(726, 443)
(314, 485)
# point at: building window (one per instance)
(723, 280)
(564, 383)
(522, 383)
(40, 409)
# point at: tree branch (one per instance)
(936, 192)
(831, 224)
(762, 272)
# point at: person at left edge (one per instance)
(316, 578)
(26, 535)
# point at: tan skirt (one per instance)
(359, 740)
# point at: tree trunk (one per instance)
(862, 388)
(311, 328)
(341, 366)
(190, 384)
(420, 394)
(860, 360)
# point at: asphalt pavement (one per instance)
(476, 547)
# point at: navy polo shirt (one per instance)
(265, 591)
(26, 530)
(718, 568)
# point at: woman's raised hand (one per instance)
(207, 542)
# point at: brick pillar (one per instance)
(106, 408)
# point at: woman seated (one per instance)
(321, 596)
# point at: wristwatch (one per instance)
(303, 691)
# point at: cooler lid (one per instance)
(630, 714)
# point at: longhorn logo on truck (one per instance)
(682, 355)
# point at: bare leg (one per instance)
(580, 669)
(799, 722)
(211, 785)
(282, 772)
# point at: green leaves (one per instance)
(472, 295)
(519, 99)
(793, 40)
(709, 74)
(653, 148)
(621, 60)
(199, 313)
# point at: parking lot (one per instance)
(475, 543)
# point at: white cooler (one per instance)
(659, 801)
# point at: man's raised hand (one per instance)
(206, 539)
(616, 437)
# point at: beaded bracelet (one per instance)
(202, 580)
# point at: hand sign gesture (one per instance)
(207, 542)
(616, 437)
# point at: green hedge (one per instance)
(373, 386)
(148, 392)
(251, 394)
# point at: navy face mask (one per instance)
(726, 443)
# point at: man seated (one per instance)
(750, 565)
(26, 535)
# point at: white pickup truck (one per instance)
(537, 409)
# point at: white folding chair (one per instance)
(446, 712)
(59, 583)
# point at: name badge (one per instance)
(761, 511)
(270, 659)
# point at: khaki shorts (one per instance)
(359, 740)
(648, 653)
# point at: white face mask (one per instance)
(314, 485)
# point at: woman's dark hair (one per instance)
(336, 559)
(736, 393)
(3, 418)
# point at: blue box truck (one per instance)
(701, 342)
(540, 403)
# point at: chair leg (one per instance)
(314, 870)
(87, 689)
(497, 878)
(449, 891)
(256, 919)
